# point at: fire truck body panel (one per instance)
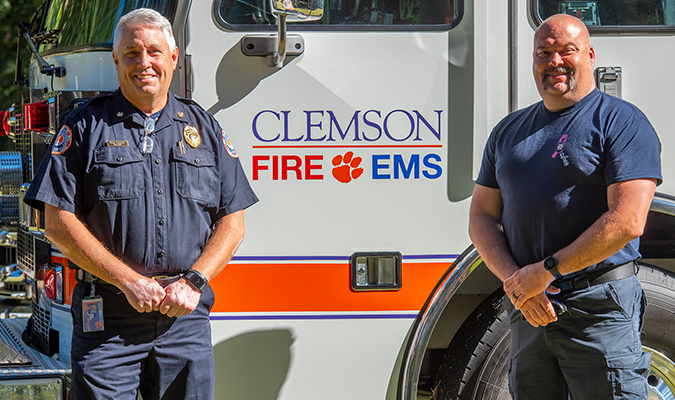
(298, 357)
(363, 150)
(286, 288)
(278, 119)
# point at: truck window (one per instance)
(346, 14)
(612, 13)
(85, 22)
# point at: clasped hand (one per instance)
(527, 288)
(174, 300)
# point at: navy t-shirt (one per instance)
(553, 170)
(155, 210)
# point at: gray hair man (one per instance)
(125, 201)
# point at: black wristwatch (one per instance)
(551, 265)
(196, 279)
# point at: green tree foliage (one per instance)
(11, 13)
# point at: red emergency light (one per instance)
(53, 281)
(4, 126)
(50, 283)
(36, 117)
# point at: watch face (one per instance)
(550, 263)
(195, 279)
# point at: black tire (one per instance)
(476, 363)
(658, 332)
(477, 338)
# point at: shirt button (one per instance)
(119, 158)
(160, 191)
(161, 254)
(158, 161)
(197, 160)
(161, 221)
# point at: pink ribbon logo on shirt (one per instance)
(559, 150)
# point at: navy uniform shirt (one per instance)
(553, 170)
(154, 211)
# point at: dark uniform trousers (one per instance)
(593, 351)
(158, 356)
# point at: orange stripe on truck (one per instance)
(296, 287)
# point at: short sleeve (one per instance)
(487, 175)
(58, 177)
(633, 153)
(235, 190)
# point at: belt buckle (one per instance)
(559, 307)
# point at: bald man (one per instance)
(559, 204)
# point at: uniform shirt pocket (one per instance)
(196, 175)
(119, 173)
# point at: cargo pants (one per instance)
(592, 352)
(158, 356)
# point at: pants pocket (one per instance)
(628, 375)
(627, 296)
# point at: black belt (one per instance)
(592, 278)
(86, 277)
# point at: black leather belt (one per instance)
(163, 280)
(592, 278)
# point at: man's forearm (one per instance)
(182, 298)
(625, 221)
(224, 241)
(491, 244)
(602, 240)
(77, 243)
(628, 208)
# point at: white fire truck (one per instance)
(362, 137)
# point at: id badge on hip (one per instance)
(92, 312)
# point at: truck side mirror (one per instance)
(298, 10)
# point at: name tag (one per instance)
(117, 143)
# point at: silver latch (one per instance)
(608, 80)
(376, 271)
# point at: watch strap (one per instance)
(551, 265)
(196, 279)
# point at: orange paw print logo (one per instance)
(347, 167)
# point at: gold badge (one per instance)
(180, 114)
(191, 136)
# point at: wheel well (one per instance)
(477, 287)
(657, 244)
(475, 365)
